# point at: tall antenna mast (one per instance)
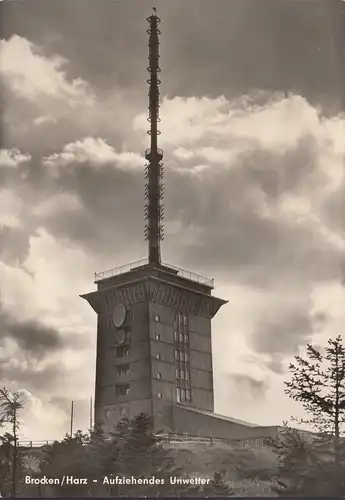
(154, 210)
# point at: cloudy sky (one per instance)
(253, 137)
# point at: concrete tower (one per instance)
(154, 350)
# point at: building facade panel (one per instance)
(201, 360)
(162, 332)
(163, 371)
(198, 424)
(163, 390)
(112, 415)
(163, 352)
(202, 379)
(139, 322)
(199, 324)
(200, 342)
(202, 398)
(138, 370)
(161, 312)
(163, 412)
(139, 350)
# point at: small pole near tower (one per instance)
(72, 417)
(91, 414)
(154, 210)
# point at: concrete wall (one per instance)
(201, 362)
(163, 415)
(109, 405)
(197, 424)
(112, 414)
(165, 366)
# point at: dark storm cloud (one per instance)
(225, 205)
(256, 43)
(109, 202)
(276, 364)
(333, 209)
(237, 238)
(111, 212)
(32, 336)
(26, 121)
(33, 379)
(248, 384)
(282, 334)
(14, 245)
(81, 406)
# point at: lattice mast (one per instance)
(154, 210)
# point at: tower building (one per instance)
(154, 352)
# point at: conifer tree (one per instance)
(66, 458)
(10, 406)
(318, 382)
(142, 455)
(217, 487)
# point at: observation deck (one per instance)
(182, 273)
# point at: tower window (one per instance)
(185, 319)
(176, 335)
(157, 336)
(122, 352)
(177, 373)
(181, 337)
(157, 318)
(182, 356)
(182, 374)
(176, 354)
(159, 375)
(159, 395)
(122, 390)
(186, 339)
(178, 395)
(122, 370)
(183, 395)
(158, 356)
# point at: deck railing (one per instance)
(257, 442)
(183, 273)
(34, 444)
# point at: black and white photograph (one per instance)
(172, 248)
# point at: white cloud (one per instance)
(40, 93)
(95, 151)
(42, 120)
(10, 208)
(54, 205)
(12, 158)
(33, 75)
(276, 126)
